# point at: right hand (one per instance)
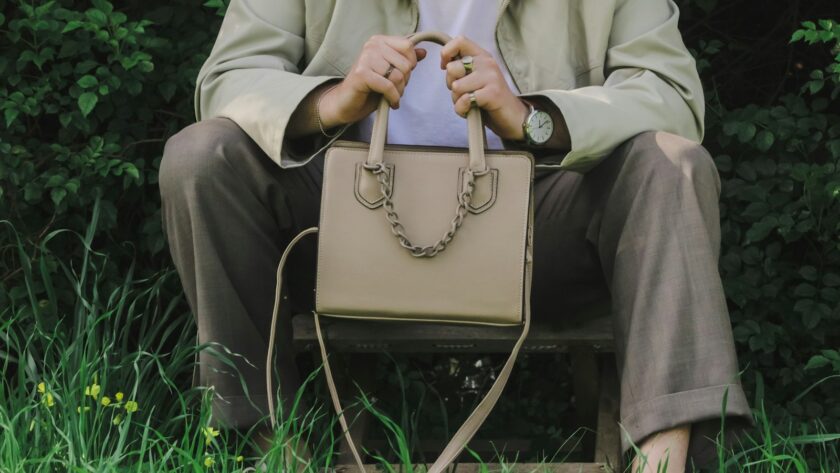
(359, 93)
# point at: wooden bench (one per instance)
(588, 342)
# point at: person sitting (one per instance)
(603, 93)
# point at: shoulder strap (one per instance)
(327, 371)
(469, 427)
(273, 329)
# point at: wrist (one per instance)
(327, 109)
(539, 126)
(513, 130)
(559, 139)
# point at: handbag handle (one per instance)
(476, 139)
(475, 129)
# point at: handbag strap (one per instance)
(271, 340)
(273, 330)
(476, 418)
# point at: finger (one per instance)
(402, 45)
(400, 62)
(459, 46)
(421, 53)
(470, 82)
(378, 83)
(462, 104)
(399, 80)
(454, 71)
(378, 43)
(396, 76)
(378, 64)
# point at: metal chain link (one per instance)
(397, 228)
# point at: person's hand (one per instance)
(359, 93)
(504, 112)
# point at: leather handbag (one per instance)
(380, 203)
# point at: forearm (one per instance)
(304, 120)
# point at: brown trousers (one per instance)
(642, 228)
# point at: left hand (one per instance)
(504, 112)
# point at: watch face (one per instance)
(540, 127)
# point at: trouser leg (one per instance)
(645, 224)
(228, 212)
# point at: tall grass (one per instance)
(103, 384)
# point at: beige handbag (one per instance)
(381, 202)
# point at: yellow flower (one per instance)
(80, 409)
(131, 406)
(93, 390)
(119, 396)
(105, 400)
(117, 420)
(209, 434)
(209, 462)
(46, 396)
(240, 459)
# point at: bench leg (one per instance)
(584, 365)
(358, 369)
(608, 440)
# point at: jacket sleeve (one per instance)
(253, 75)
(651, 84)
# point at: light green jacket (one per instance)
(614, 68)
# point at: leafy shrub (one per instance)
(88, 96)
(780, 164)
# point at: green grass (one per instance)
(60, 362)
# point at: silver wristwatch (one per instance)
(538, 126)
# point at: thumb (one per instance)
(421, 53)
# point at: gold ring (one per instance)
(467, 61)
(389, 71)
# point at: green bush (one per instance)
(88, 96)
(90, 92)
(780, 165)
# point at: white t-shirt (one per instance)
(426, 115)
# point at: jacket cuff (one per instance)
(295, 152)
(583, 154)
(264, 112)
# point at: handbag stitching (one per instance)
(494, 176)
(408, 319)
(357, 183)
(526, 230)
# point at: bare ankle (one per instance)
(668, 447)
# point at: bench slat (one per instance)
(362, 336)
